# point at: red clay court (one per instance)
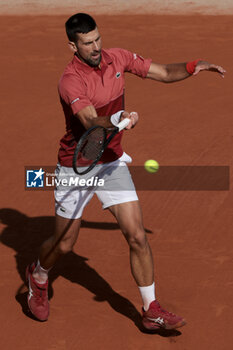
(95, 303)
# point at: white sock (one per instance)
(148, 295)
(40, 274)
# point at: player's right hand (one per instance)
(133, 116)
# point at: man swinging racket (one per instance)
(91, 92)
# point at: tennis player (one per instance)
(91, 92)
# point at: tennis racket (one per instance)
(91, 146)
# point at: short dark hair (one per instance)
(79, 23)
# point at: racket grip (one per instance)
(123, 124)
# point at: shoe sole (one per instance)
(153, 326)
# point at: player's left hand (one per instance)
(203, 65)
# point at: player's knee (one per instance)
(65, 246)
(137, 240)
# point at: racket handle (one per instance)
(123, 124)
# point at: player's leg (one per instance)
(129, 218)
(120, 197)
(60, 243)
(69, 207)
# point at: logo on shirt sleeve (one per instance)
(75, 100)
(135, 56)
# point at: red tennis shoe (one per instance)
(156, 318)
(38, 296)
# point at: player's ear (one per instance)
(72, 46)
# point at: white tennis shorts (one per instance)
(111, 182)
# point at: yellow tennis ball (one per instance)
(151, 166)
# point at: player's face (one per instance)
(89, 47)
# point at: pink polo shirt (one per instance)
(81, 86)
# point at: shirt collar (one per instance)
(80, 65)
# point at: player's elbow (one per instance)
(162, 75)
(87, 117)
(166, 77)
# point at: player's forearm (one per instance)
(168, 73)
(90, 121)
(88, 117)
(176, 72)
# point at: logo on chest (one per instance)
(118, 75)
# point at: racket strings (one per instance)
(91, 146)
